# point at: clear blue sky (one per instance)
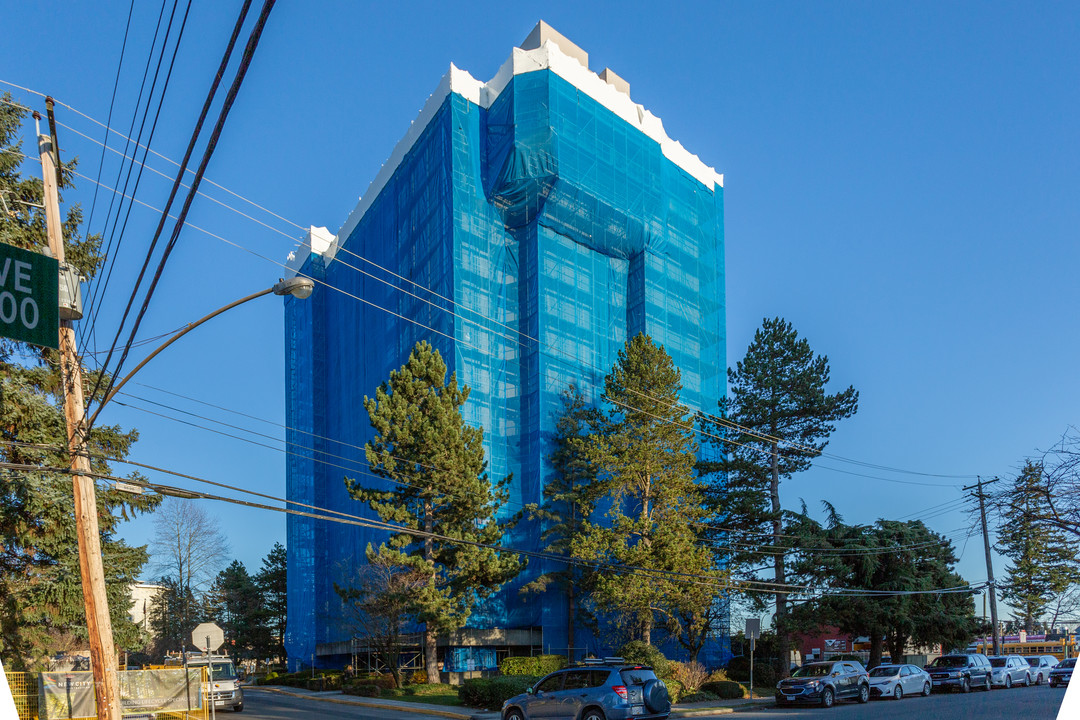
(901, 184)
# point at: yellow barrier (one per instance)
(24, 689)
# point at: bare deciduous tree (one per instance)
(188, 548)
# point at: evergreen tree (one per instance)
(272, 582)
(41, 598)
(778, 390)
(170, 631)
(567, 504)
(643, 455)
(440, 485)
(888, 556)
(1043, 561)
(235, 603)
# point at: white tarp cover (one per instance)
(7, 703)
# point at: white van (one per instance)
(225, 691)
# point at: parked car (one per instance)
(1009, 670)
(1041, 665)
(823, 683)
(610, 689)
(896, 681)
(961, 671)
(1062, 672)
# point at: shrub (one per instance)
(363, 690)
(538, 665)
(675, 690)
(717, 676)
(699, 696)
(636, 651)
(690, 674)
(493, 692)
(764, 672)
(419, 677)
(725, 689)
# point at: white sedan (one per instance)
(1041, 665)
(1010, 670)
(896, 681)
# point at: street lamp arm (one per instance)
(299, 287)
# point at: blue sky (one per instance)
(900, 184)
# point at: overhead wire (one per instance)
(342, 517)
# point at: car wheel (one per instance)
(827, 698)
(898, 693)
(965, 685)
(926, 689)
(1038, 678)
(512, 715)
(864, 693)
(1008, 682)
(989, 685)
(593, 714)
(238, 708)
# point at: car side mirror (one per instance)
(835, 674)
(530, 691)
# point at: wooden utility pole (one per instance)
(783, 647)
(991, 587)
(103, 657)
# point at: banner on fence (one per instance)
(71, 694)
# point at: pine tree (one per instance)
(440, 485)
(776, 390)
(566, 503)
(272, 582)
(41, 598)
(235, 603)
(643, 455)
(1043, 561)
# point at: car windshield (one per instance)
(885, 671)
(1033, 662)
(948, 661)
(223, 670)
(1067, 663)
(812, 671)
(997, 662)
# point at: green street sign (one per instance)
(29, 297)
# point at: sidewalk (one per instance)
(690, 710)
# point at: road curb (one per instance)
(381, 706)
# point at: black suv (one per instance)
(961, 671)
(608, 689)
(823, 683)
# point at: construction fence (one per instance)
(161, 693)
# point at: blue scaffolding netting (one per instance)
(551, 229)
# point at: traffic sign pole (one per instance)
(103, 658)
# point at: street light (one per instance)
(99, 626)
(299, 287)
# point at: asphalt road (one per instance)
(268, 705)
(1031, 703)
(1034, 703)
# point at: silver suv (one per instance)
(608, 689)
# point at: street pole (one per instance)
(210, 675)
(990, 587)
(752, 641)
(103, 656)
(782, 645)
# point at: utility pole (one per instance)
(103, 656)
(782, 646)
(991, 587)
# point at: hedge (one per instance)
(363, 690)
(764, 672)
(726, 689)
(538, 665)
(493, 692)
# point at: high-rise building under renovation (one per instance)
(525, 227)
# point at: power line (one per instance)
(223, 114)
(341, 517)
